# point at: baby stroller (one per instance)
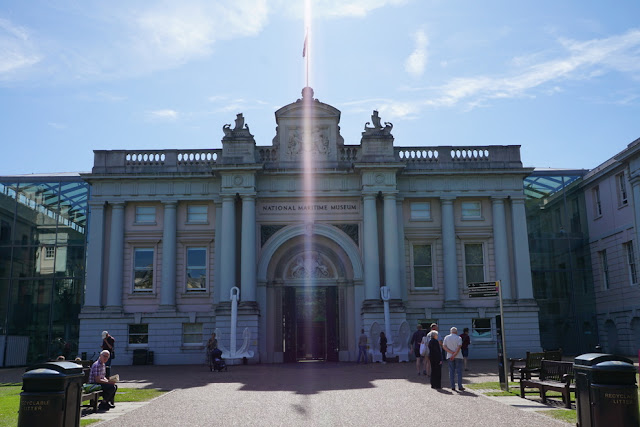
(216, 362)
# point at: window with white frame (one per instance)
(421, 211)
(474, 262)
(481, 329)
(604, 264)
(622, 189)
(49, 252)
(196, 269)
(192, 334)
(597, 205)
(422, 267)
(143, 269)
(631, 262)
(139, 334)
(471, 210)
(145, 214)
(197, 213)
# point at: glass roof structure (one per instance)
(546, 182)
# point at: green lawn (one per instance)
(10, 401)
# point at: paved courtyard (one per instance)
(317, 394)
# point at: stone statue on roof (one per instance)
(240, 129)
(377, 128)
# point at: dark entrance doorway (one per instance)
(310, 323)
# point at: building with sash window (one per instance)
(295, 246)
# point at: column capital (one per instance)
(389, 194)
(369, 195)
(170, 204)
(447, 200)
(251, 196)
(96, 204)
(518, 199)
(228, 197)
(498, 199)
(116, 205)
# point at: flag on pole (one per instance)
(304, 47)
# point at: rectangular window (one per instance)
(474, 262)
(49, 252)
(481, 329)
(192, 333)
(145, 214)
(143, 269)
(471, 210)
(422, 267)
(605, 269)
(139, 334)
(421, 211)
(597, 206)
(622, 189)
(196, 269)
(197, 213)
(631, 261)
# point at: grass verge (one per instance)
(566, 415)
(488, 385)
(10, 401)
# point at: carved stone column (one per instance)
(501, 247)
(392, 266)
(168, 294)
(217, 272)
(449, 254)
(248, 261)
(228, 255)
(524, 285)
(95, 256)
(371, 255)
(116, 257)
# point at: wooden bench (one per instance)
(554, 376)
(529, 366)
(92, 396)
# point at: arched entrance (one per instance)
(310, 281)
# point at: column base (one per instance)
(167, 308)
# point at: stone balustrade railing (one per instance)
(450, 157)
(201, 161)
(155, 161)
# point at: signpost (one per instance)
(486, 290)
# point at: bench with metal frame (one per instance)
(554, 376)
(529, 366)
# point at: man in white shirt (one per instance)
(452, 344)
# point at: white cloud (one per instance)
(417, 61)
(173, 33)
(335, 8)
(57, 126)
(163, 115)
(17, 51)
(585, 60)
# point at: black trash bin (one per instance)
(51, 396)
(606, 391)
(140, 356)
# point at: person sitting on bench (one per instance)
(97, 376)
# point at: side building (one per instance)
(43, 224)
(612, 194)
(321, 238)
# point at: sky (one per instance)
(560, 78)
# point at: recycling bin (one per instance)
(140, 356)
(606, 391)
(51, 395)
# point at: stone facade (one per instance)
(309, 228)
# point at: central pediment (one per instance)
(307, 126)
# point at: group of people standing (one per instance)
(430, 350)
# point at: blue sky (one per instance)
(560, 78)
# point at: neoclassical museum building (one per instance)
(287, 246)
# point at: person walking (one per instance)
(362, 347)
(452, 344)
(435, 360)
(383, 347)
(466, 340)
(109, 344)
(416, 339)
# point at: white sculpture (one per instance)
(401, 346)
(374, 340)
(244, 351)
(385, 294)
